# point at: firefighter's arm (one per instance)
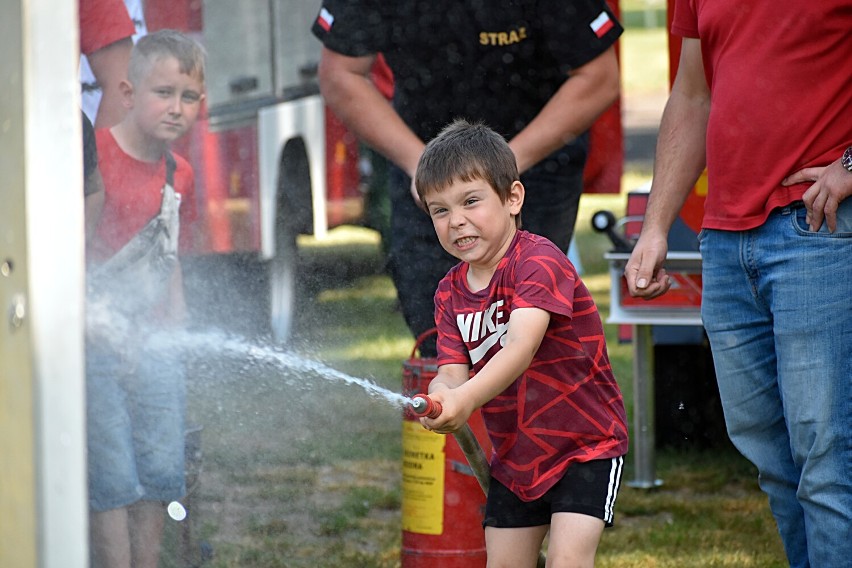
(589, 91)
(526, 330)
(346, 87)
(680, 158)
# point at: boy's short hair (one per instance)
(463, 151)
(166, 43)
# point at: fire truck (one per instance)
(271, 161)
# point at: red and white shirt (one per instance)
(133, 195)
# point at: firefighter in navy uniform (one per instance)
(538, 72)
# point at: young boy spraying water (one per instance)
(136, 391)
(515, 310)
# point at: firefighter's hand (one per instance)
(644, 272)
(454, 414)
(832, 184)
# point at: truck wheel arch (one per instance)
(293, 203)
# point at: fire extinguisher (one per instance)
(443, 504)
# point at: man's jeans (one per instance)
(777, 307)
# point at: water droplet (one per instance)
(176, 511)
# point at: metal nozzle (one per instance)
(422, 405)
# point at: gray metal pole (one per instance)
(43, 511)
(643, 409)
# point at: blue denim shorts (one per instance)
(135, 429)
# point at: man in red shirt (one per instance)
(763, 97)
(106, 33)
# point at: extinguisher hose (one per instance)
(479, 464)
(475, 456)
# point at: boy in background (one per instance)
(515, 310)
(93, 183)
(136, 396)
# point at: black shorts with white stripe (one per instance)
(588, 488)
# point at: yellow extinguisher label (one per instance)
(423, 459)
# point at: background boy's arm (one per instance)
(176, 314)
(93, 203)
(461, 397)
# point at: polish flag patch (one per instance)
(325, 19)
(602, 24)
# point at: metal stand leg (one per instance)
(643, 409)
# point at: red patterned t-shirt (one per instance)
(566, 407)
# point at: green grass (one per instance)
(301, 472)
(299, 477)
(643, 13)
